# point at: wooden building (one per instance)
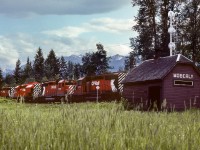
(172, 82)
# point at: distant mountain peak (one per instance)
(116, 61)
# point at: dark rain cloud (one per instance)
(59, 7)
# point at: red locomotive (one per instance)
(55, 91)
(26, 92)
(103, 87)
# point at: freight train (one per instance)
(105, 87)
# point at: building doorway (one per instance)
(154, 98)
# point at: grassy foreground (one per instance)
(95, 126)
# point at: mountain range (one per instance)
(116, 62)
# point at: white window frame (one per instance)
(183, 82)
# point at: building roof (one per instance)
(155, 69)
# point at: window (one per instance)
(183, 83)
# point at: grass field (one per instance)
(95, 126)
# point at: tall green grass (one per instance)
(95, 126)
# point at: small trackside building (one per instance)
(171, 82)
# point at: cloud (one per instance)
(70, 38)
(110, 25)
(122, 49)
(8, 53)
(65, 41)
(14, 47)
(60, 7)
(66, 32)
(20, 46)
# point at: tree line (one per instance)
(152, 23)
(54, 68)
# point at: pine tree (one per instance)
(1, 78)
(146, 26)
(96, 63)
(77, 71)
(163, 26)
(10, 80)
(1, 75)
(28, 71)
(63, 68)
(101, 60)
(190, 24)
(38, 66)
(51, 65)
(88, 66)
(130, 61)
(70, 70)
(18, 72)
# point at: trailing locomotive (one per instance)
(55, 91)
(26, 92)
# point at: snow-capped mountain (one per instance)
(7, 71)
(116, 61)
(74, 58)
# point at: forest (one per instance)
(54, 68)
(152, 23)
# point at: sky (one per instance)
(69, 27)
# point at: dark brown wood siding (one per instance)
(138, 93)
(182, 97)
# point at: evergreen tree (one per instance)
(190, 34)
(51, 65)
(38, 66)
(1, 75)
(101, 60)
(70, 70)
(163, 26)
(1, 78)
(88, 66)
(152, 23)
(18, 72)
(96, 63)
(10, 80)
(63, 68)
(28, 71)
(130, 61)
(147, 28)
(77, 71)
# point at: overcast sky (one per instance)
(66, 26)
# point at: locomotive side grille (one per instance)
(37, 90)
(71, 89)
(121, 77)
